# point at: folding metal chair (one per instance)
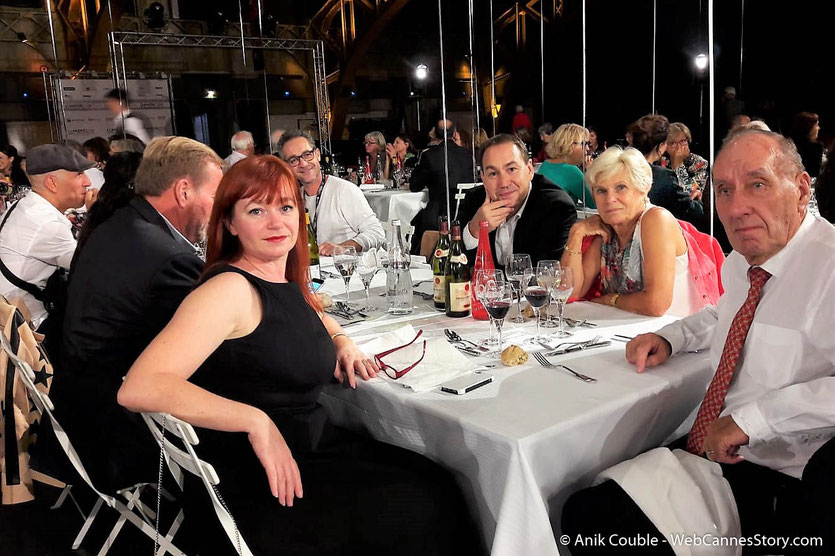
(185, 458)
(462, 189)
(132, 510)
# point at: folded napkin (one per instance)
(371, 187)
(440, 363)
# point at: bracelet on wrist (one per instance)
(573, 251)
(614, 300)
(336, 335)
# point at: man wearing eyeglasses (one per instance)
(339, 213)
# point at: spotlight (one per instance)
(269, 25)
(216, 23)
(25, 95)
(155, 16)
(286, 93)
(411, 93)
(353, 93)
(701, 62)
(421, 71)
(210, 94)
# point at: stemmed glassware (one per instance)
(485, 282)
(536, 295)
(367, 266)
(345, 261)
(561, 292)
(498, 299)
(546, 276)
(515, 268)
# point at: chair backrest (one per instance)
(184, 457)
(462, 189)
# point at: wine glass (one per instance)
(515, 268)
(546, 276)
(367, 265)
(562, 291)
(345, 261)
(484, 284)
(498, 299)
(536, 295)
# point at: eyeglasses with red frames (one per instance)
(390, 371)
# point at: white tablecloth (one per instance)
(524, 443)
(388, 205)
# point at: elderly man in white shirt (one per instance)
(339, 212)
(768, 418)
(36, 238)
(243, 145)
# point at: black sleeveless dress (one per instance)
(361, 496)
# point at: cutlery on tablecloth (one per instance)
(622, 338)
(547, 364)
(454, 337)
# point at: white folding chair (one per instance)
(462, 189)
(125, 509)
(186, 458)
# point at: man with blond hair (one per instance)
(127, 282)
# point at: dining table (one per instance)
(523, 443)
(391, 204)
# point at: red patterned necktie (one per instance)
(715, 396)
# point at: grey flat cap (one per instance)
(49, 157)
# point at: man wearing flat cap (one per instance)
(36, 238)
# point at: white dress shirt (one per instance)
(343, 214)
(133, 125)
(504, 234)
(232, 159)
(36, 239)
(783, 393)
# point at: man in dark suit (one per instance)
(430, 173)
(126, 283)
(526, 212)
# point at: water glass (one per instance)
(515, 268)
(561, 292)
(345, 261)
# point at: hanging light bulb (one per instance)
(421, 71)
(701, 62)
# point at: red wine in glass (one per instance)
(498, 309)
(536, 296)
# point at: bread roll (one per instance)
(324, 300)
(514, 355)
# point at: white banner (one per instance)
(85, 108)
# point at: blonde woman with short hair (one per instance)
(567, 150)
(637, 250)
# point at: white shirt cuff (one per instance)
(750, 419)
(469, 241)
(673, 334)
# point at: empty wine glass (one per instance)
(561, 292)
(536, 295)
(367, 266)
(484, 285)
(546, 275)
(498, 299)
(345, 261)
(515, 268)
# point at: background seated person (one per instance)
(649, 135)
(339, 212)
(526, 212)
(566, 150)
(638, 252)
(246, 356)
(690, 168)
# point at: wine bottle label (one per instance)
(462, 258)
(439, 289)
(441, 253)
(459, 296)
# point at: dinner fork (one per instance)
(455, 338)
(545, 363)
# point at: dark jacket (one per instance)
(429, 173)
(127, 282)
(667, 193)
(543, 229)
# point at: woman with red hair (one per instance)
(245, 358)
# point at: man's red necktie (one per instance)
(715, 397)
